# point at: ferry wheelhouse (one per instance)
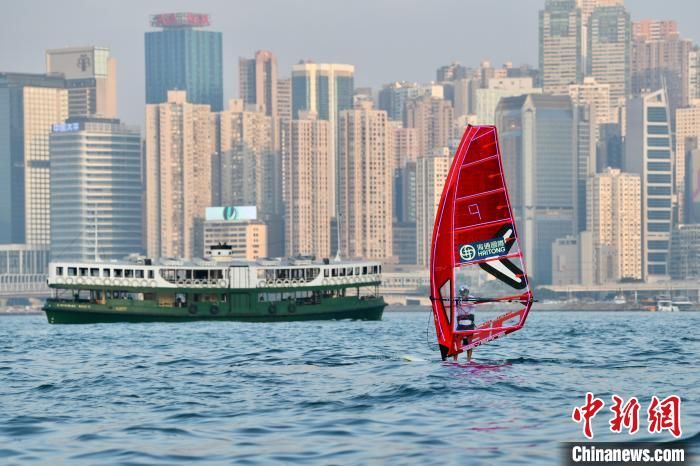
(141, 290)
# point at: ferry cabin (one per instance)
(178, 290)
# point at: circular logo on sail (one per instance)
(230, 213)
(467, 252)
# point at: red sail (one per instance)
(475, 249)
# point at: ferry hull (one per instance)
(66, 314)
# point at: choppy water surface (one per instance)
(327, 392)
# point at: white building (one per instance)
(96, 190)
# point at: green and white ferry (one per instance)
(142, 290)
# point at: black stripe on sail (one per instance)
(506, 232)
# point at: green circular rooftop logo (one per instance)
(230, 213)
(467, 252)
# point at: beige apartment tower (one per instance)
(258, 81)
(432, 118)
(307, 211)
(687, 126)
(597, 96)
(180, 142)
(614, 221)
(431, 173)
(365, 195)
(91, 81)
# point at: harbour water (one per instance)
(337, 392)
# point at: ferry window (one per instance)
(117, 273)
(357, 271)
(269, 274)
(342, 272)
(196, 297)
(59, 271)
(326, 273)
(224, 298)
(94, 272)
(200, 274)
(380, 269)
(334, 272)
(261, 297)
(128, 273)
(150, 274)
(350, 271)
(138, 273)
(364, 270)
(105, 273)
(83, 271)
(261, 274)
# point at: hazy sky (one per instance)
(386, 40)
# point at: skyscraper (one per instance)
(182, 57)
(258, 81)
(614, 220)
(91, 80)
(366, 163)
(487, 98)
(431, 173)
(307, 211)
(326, 90)
(660, 59)
(180, 142)
(597, 96)
(432, 117)
(560, 47)
(685, 253)
(29, 105)
(691, 205)
(284, 99)
(648, 153)
(540, 158)
(608, 57)
(96, 189)
(687, 126)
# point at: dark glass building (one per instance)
(181, 56)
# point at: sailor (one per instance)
(465, 316)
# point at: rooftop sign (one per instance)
(174, 20)
(231, 213)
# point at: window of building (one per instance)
(106, 273)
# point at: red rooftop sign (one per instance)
(168, 20)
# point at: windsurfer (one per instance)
(465, 316)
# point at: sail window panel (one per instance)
(488, 208)
(482, 146)
(484, 176)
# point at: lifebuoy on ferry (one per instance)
(192, 309)
(272, 309)
(214, 310)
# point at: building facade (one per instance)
(91, 80)
(29, 105)
(307, 212)
(609, 50)
(614, 220)
(257, 81)
(96, 190)
(326, 90)
(180, 143)
(687, 127)
(487, 98)
(685, 253)
(649, 154)
(560, 46)
(431, 173)
(366, 168)
(247, 238)
(181, 56)
(432, 118)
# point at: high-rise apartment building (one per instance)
(257, 80)
(694, 73)
(431, 173)
(596, 96)
(284, 99)
(91, 81)
(180, 143)
(560, 46)
(660, 60)
(432, 117)
(540, 157)
(326, 90)
(96, 189)
(614, 221)
(366, 168)
(609, 50)
(29, 105)
(307, 211)
(649, 154)
(392, 98)
(405, 143)
(181, 56)
(687, 126)
(691, 205)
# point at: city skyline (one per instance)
(77, 24)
